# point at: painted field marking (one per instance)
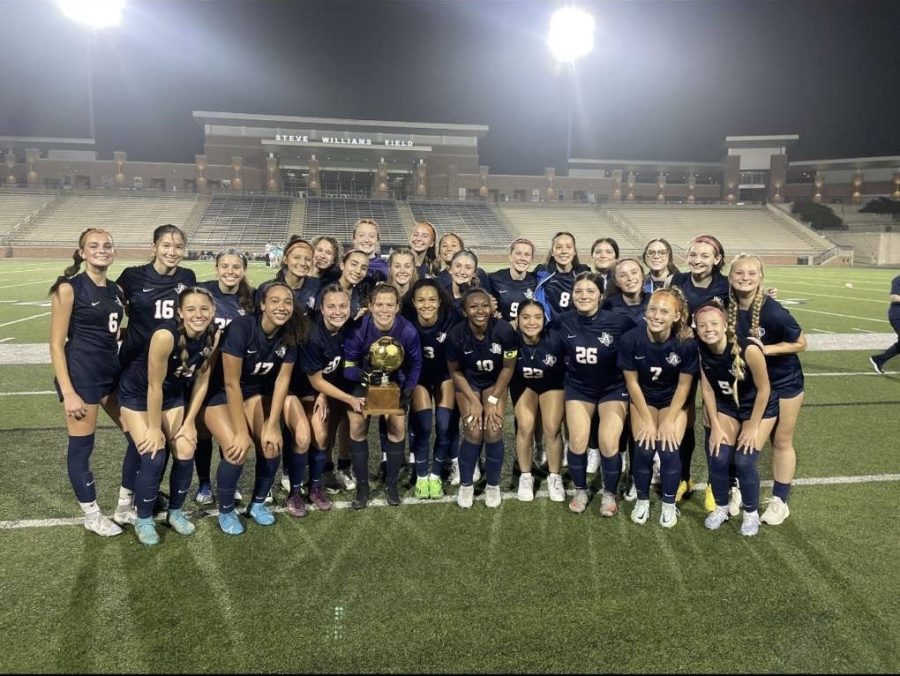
(6, 340)
(26, 394)
(821, 331)
(24, 319)
(41, 281)
(509, 495)
(827, 295)
(837, 314)
(861, 330)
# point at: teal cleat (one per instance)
(179, 522)
(146, 531)
(230, 523)
(259, 512)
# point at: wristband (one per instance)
(493, 400)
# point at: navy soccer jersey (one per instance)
(510, 293)
(658, 365)
(357, 293)
(894, 309)
(618, 305)
(228, 305)
(480, 361)
(434, 348)
(91, 342)
(776, 325)
(591, 350)
(378, 270)
(718, 369)
(696, 295)
(445, 281)
(179, 373)
(540, 367)
(323, 351)
(150, 299)
(261, 355)
(365, 332)
(554, 289)
(304, 295)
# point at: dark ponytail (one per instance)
(77, 260)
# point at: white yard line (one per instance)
(827, 295)
(42, 281)
(837, 314)
(27, 394)
(509, 495)
(24, 319)
(861, 330)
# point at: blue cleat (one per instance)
(179, 522)
(259, 512)
(230, 523)
(146, 531)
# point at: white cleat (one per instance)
(750, 525)
(526, 488)
(555, 488)
(454, 473)
(669, 515)
(593, 460)
(641, 512)
(776, 512)
(716, 518)
(286, 483)
(125, 515)
(492, 497)
(99, 524)
(466, 497)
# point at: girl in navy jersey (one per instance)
(878, 360)
(593, 384)
(481, 356)
(234, 298)
(514, 285)
(366, 238)
(537, 385)
(659, 361)
(449, 246)
(152, 394)
(463, 275)
(296, 269)
(353, 274)
(754, 316)
(604, 254)
(246, 398)
(624, 290)
(702, 284)
(382, 320)
(327, 254)
(321, 359)
(430, 310)
(151, 291)
(556, 277)
(742, 409)
(402, 270)
(658, 259)
(85, 313)
(422, 242)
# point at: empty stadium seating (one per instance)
(14, 207)
(130, 219)
(244, 222)
(477, 223)
(335, 217)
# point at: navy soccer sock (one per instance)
(748, 475)
(359, 454)
(578, 469)
(203, 460)
(420, 422)
(78, 462)
(442, 417)
(318, 458)
(611, 468)
(131, 464)
(296, 463)
(227, 476)
(493, 461)
(266, 469)
(180, 482)
(642, 466)
(146, 486)
(394, 451)
(781, 490)
(669, 473)
(453, 435)
(468, 458)
(686, 452)
(718, 473)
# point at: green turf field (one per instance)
(432, 588)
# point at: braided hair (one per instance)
(758, 298)
(430, 259)
(681, 329)
(738, 364)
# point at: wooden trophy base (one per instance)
(383, 400)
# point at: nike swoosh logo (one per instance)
(468, 351)
(182, 492)
(148, 499)
(95, 303)
(252, 351)
(568, 336)
(147, 290)
(643, 357)
(90, 484)
(503, 291)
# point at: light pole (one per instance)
(97, 15)
(571, 36)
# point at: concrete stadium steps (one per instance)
(14, 208)
(243, 222)
(477, 223)
(335, 218)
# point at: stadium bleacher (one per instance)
(335, 218)
(480, 226)
(14, 208)
(243, 222)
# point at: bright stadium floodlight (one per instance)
(97, 14)
(571, 34)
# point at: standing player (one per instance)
(430, 310)
(593, 384)
(366, 238)
(754, 316)
(463, 276)
(381, 320)
(604, 254)
(353, 273)
(233, 297)
(422, 241)
(481, 356)
(402, 270)
(85, 313)
(514, 285)
(449, 246)
(152, 394)
(296, 272)
(658, 259)
(327, 254)
(742, 409)
(659, 361)
(703, 284)
(556, 277)
(151, 292)
(246, 398)
(537, 385)
(878, 360)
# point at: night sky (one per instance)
(666, 81)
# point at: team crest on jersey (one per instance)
(529, 294)
(760, 332)
(549, 360)
(673, 359)
(495, 348)
(281, 350)
(241, 311)
(605, 339)
(179, 288)
(441, 337)
(716, 299)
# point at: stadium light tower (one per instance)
(97, 15)
(571, 36)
